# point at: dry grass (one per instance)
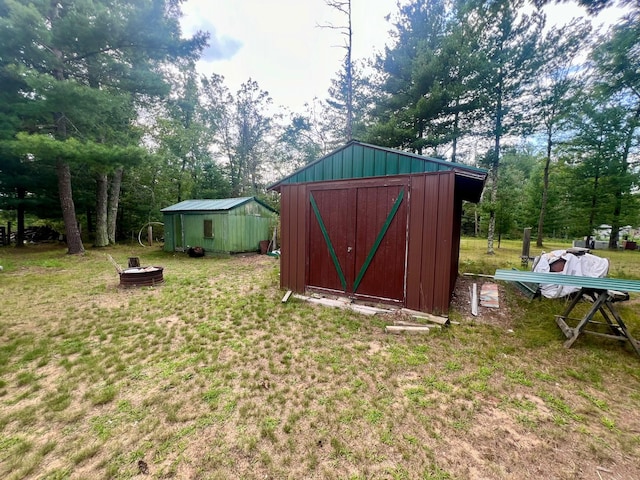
(210, 376)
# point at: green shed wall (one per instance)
(168, 232)
(237, 230)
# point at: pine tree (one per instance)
(509, 45)
(80, 62)
(554, 88)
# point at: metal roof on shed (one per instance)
(207, 205)
(362, 160)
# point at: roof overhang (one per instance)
(469, 184)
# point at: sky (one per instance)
(279, 44)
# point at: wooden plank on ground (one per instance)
(342, 303)
(397, 329)
(426, 316)
(474, 300)
(402, 323)
(367, 310)
(286, 296)
(329, 302)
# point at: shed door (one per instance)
(331, 239)
(357, 240)
(178, 232)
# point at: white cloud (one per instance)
(278, 42)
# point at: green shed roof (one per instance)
(206, 205)
(362, 160)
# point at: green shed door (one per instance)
(178, 233)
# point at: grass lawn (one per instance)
(210, 376)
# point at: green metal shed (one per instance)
(227, 225)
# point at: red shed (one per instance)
(376, 224)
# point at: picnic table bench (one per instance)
(599, 290)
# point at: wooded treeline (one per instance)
(105, 121)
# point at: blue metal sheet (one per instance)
(561, 279)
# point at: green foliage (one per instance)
(76, 72)
(515, 173)
(242, 127)
(424, 99)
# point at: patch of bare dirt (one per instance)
(461, 302)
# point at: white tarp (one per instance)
(585, 265)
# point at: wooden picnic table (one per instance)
(599, 290)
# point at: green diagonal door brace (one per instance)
(325, 234)
(378, 241)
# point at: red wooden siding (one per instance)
(430, 244)
(293, 237)
(415, 245)
(445, 192)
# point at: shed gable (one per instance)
(361, 160)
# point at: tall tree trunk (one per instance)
(456, 131)
(234, 174)
(349, 75)
(63, 171)
(254, 184)
(102, 238)
(594, 204)
(491, 230)
(65, 192)
(476, 222)
(545, 189)
(494, 169)
(615, 223)
(344, 7)
(114, 200)
(90, 227)
(74, 241)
